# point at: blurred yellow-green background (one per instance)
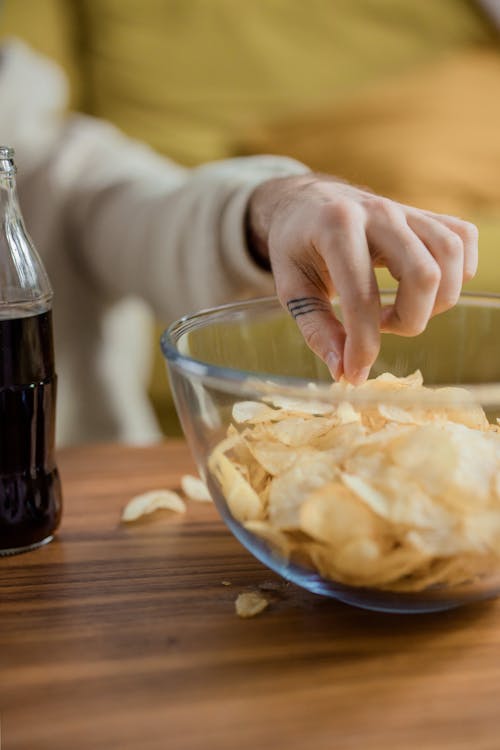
(399, 96)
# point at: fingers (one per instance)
(410, 262)
(344, 248)
(341, 257)
(331, 238)
(468, 233)
(447, 249)
(431, 257)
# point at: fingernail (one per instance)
(333, 361)
(359, 376)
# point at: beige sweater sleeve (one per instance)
(112, 220)
(135, 223)
(142, 225)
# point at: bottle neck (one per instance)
(9, 206)
(24, 286)
(7, 177)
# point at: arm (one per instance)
(178, 238)
(139, 224)
(143, 225)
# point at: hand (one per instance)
(323, 237)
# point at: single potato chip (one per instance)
(195, 489)
(250, 604)
(340, 440)
(334, 515)
(346, 413)
(288, 491)
(296, 407)
(254, 412)
(148, 502)
(275, 458)
(243, 502)
(367, 564)
(298, 432)
(392, 413)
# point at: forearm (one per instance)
(176, 237)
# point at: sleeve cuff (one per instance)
(253, 279)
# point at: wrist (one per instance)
(261, 208)
(256, 239)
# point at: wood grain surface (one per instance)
(123, 637)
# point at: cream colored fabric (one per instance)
(112, 219)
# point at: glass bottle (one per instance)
(30, 490)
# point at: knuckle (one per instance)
(426, 275)
(384, 207)
(406, 323)
(358, 300)
(361, 303)
(450, 247)
(417, 328)
(365, 298)
(362, 308)
(412, 327)
(341, 213)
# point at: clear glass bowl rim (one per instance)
(233, 380)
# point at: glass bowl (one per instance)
(253, 352)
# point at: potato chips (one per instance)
(387, 494)
(193, 488)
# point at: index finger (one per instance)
(344, 248)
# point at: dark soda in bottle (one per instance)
(30, 490)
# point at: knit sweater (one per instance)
(123, 233)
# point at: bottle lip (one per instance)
(6, 152)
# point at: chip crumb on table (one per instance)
(250, 604)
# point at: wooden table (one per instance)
(123, 637)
